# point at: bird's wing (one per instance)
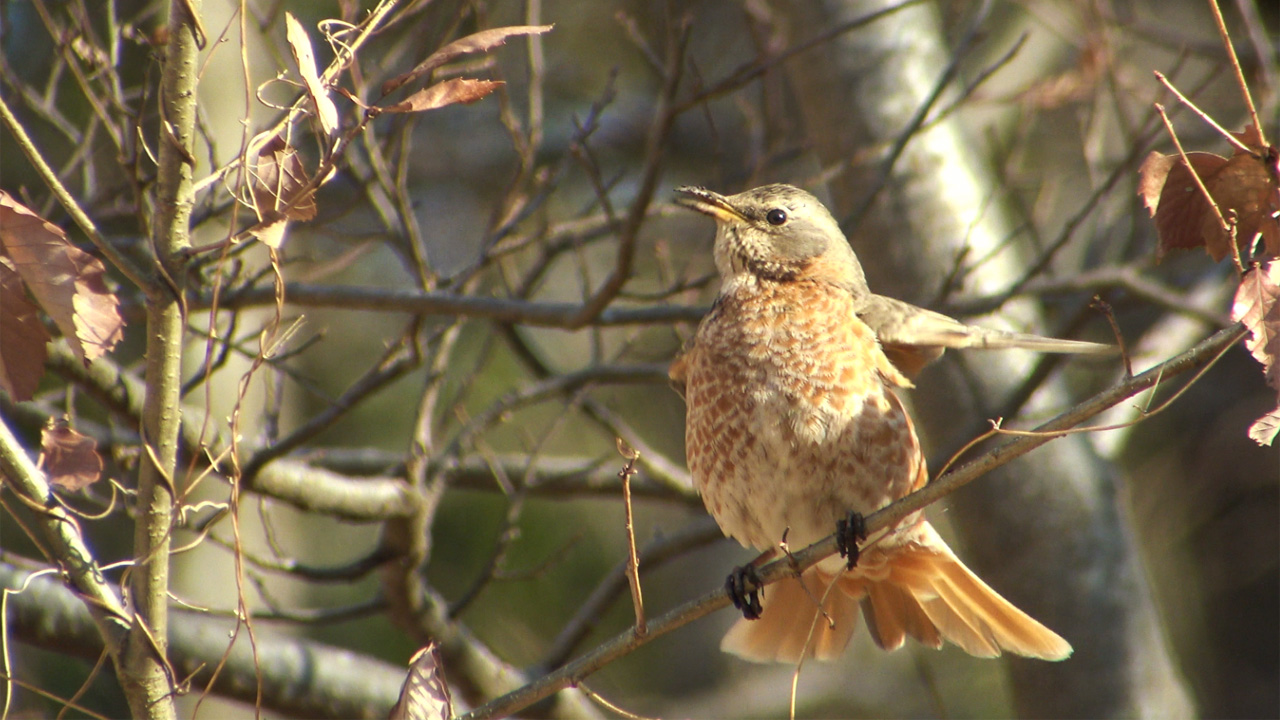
(913, 337)
(677, 374)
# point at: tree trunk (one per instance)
(1046, 531)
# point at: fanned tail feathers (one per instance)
(919, 589)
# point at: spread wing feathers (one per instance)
(897, 323)
(922, 591)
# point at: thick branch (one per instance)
(63, 540)
(300, 678)
(146, 681)
(417, 302)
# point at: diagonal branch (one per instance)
(300, 677)
(628, 641)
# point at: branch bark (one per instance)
(146, 678)
(300, 678)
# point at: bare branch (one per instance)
(628, 641)
(537, 314)
(300, 677)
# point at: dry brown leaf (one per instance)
(1244, 187)
(68, 283)
(282, 192)
(1176, 202)
(457, 90)
(69, 458)
(425, 695)
(300, 44)
(270, 232)
(281, 183)
(22, 337)
(482, 41)
(1256, 307)
(1263, 430)
(1267, 201)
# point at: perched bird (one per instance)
(794, 425)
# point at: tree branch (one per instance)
(417, 302)
(146, 676)
(300, 678)
(628, 641)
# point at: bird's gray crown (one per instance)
(775, 231)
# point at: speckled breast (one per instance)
(791, 421)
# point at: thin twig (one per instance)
(1199, 113)
(1204, 191)
(69, 203)
(1105, 308)
(1235, 67)
(633, 561)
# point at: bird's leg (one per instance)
(748, 601)
(850, 530)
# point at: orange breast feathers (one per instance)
(792, 421)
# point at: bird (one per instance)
(795, 428)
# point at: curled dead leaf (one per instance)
(1245, 187)
(69, 458)
(449, 92)
(1256, 307)
(300, 45)
(281, 183)
(66, 282)
(1263, 430)
(282, 191)
(22, 337)
(482, 41)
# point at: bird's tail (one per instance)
(918, 588)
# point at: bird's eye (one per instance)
(776, 216)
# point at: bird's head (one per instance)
(776, 232)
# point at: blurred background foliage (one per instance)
(1053, 122)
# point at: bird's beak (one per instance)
(708, 203)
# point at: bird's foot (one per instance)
(748, 601)
(850, 530)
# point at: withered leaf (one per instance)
(282, 192)
(68, 283)
(1263, 430)
(424, 695)
(22, 337)
(300, 44)
(281, 182)
(270, 231)
(69, 458)
(482, 41)
(1256, 307)
(456, 90)
(1245, 188)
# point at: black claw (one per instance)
(746, 601)
(851, 530)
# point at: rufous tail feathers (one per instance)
(919, 589)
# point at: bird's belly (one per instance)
(791, 421)
(788, 460)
